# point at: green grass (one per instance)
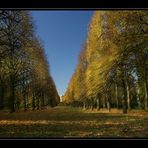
(67, 122)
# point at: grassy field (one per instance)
(67, 122)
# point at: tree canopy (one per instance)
(113, 65)
(25, 80)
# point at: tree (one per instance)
(24, 74)
(116, 57)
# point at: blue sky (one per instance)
(62, 33)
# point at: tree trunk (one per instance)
(128, 96)
(98, 103)
(91, 103)
(37, 103)
(24, 99)
(24, 94)
(146, 96)
(1, 96)
(33, 102)
(124, 99)
(108, 95)
(27, 99)
(12, 98)
(138, 98)
(84, 106)
(42, 100)
(108, 105)
(116, 95)
(104, 102)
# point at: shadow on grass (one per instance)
(61, 130)
(63, 114)
(70, 122)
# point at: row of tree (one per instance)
(25, 80)
(112, 70)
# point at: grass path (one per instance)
(67, 122)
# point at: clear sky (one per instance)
(63, 33)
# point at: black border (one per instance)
(73, 4)
(82, 143)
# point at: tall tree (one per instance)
(25, 79)
(116, 55)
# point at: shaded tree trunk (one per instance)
(33, 101)
(12, 97)
(116, 96)
(124, 98)
(37, 102)
(108, 95)
(98, 97)
(42, 100)
(1, 96)
(108, 105)
(27, 99)
(128, 96)
(138, 98)
(24, 95)
(146, 95)
(104, 102)
(24, 103)
(84, 105)
(98, 103)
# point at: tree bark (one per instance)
(24, 99)
(108, 106)
(138, 98)
(33, 101)
(104, 102)
(84, 106)
(146, 96)
(116, 95)
(128, 96)
(1, 96)
(92, 104)
(37, 102)
(124, 99)
(12, 97)
(42, 100)
(24, 95)
(108, 95)
(98, 103)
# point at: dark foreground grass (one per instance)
(66, 122)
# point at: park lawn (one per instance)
(68, 122)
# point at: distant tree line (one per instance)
(112, 71)
(25, 81)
